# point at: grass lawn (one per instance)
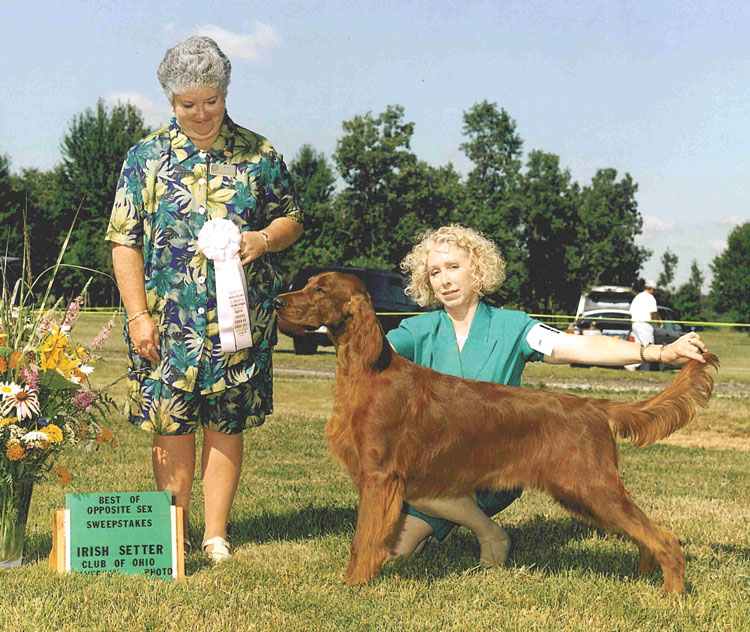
(295, 511)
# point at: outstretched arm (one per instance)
(611, 351)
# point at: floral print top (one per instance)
(168, 189)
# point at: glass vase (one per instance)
(15, 498)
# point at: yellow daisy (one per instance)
(53, 432)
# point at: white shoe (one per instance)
(220, 551)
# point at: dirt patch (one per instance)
(708, 440)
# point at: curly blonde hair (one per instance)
(487, 264)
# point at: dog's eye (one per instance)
(320, 290)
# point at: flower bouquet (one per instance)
(46, 403)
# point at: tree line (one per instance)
(366, 203)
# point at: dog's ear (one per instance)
(358, 302)
(368, 341)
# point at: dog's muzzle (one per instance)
(278, 303)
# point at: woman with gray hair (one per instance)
(454, 267)
(204, 174)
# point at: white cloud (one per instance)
(261, 40)
(155, 114)
(654, 227)
(718, 245)
(732, 220)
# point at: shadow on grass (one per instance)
(540, 545)
(303, 523)
(731, 549)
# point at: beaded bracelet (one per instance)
(137, 315)
(640, 351)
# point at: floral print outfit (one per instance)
(168, 189)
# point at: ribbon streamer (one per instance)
(220, 240)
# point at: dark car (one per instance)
(617, 323)
(386, 290)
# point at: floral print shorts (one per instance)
(158, 408)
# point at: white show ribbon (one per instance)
(220, 240)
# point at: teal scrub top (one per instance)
(495, 351)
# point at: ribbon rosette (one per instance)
(220, 240)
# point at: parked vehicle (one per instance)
(605, 297)
(386, 290)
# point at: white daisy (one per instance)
(8, 388)
(24, 401)
(35, 435)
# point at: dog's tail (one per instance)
(656, 418)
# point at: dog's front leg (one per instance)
(380, 500)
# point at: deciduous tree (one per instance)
(688, 299)
(93, 150)
(370, 156)
(608, 222)
(314, 182)
(730, 287)
(548, 199)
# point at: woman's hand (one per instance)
(687, 347)
(144, 336)
(253, 246)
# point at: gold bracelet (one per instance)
(265, 236)
(137, 315)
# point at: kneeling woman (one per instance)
(454, 267)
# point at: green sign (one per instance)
(129, 533)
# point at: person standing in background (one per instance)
(643, 311)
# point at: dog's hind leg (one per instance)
(612, 508)
(380, 500)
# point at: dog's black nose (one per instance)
(278, 303)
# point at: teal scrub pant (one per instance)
(489, 502)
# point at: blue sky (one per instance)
(658, 89)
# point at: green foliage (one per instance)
(730, 287)
(370, 157)
(608, 222)
(688, 299)
(548, 201)
(492, 203)
(314, 182)
(10, 211)
(93, 150)
(665, 281)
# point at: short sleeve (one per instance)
(281, 200)
(402, 340)
(126, 221)
(529, 355)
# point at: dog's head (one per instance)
(329, 298)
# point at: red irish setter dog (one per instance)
(404, 431)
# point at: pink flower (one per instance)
(83, 400)
(72, 312)
(46, 325)
(98, 342)
(31, 377)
